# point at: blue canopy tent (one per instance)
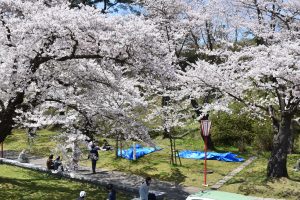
(198, 155)
(140, 151)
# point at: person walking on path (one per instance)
(94, 156)
(112, 192)
(144, 189)
(82, 195)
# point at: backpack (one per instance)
(93, 156)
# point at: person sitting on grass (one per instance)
(58, 165)
(50, 163)
(82, 195)
(297, 166)
(106, 146)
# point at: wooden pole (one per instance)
(134, 151)
(2, 154)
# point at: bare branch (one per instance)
(2, 106)
(274, 119)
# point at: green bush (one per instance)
(239, 130)
(263, 140)
(231, 129)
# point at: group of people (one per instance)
(94, 157)
(54, 164)
(143, 192)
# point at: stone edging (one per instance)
(79, 177)
(72, 176)
(229, 176)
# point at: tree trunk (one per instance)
(209, 35)
(165, 101)
(7, 122)
(117, 145)
(210, 144)
(172, 151)
(291, 142)
(277, 163)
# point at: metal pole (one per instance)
(205, 163)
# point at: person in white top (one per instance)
(144, 189)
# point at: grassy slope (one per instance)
(42, 146)
(17, 183)
(157, 165)
(250, 181)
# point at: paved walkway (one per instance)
(126, 182)
(122, 181)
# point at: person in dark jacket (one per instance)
(111, 193)
(94, 156)
(58, 164)
(50, 163)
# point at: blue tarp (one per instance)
(198, 155)
(140, 151)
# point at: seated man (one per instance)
(50, 163)
(58, 165)
(23, 158)
(106, 146)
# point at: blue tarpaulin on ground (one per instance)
(140, 151)
(198, 155)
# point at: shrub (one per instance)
(263, 140)
(231, 129)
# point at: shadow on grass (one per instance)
(32, 185)
(14, 188)
(175, 176)
(294, 179)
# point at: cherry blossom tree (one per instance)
(189, 26)
(264, 77)
(73, 59)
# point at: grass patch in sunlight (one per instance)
(19, 183)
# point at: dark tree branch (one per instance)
(280, 100)
(178, 53)
(2, 106)
(73, 106)
(180, 136)
(209, 36)
(8, 35)
(275, 121)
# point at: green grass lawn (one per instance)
(250, 181)
(157, 165)
(42, 146)
(18, 183)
